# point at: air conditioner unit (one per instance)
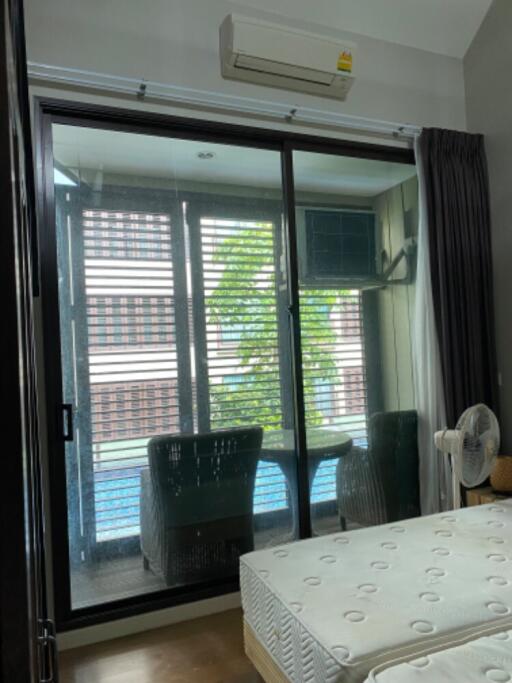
(281, 57)
(336, 245)
(341, 247)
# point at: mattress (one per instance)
(334, 608)
(480, 661)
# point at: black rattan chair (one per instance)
(196, 507)
(381, 483)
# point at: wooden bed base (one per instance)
(262, 661)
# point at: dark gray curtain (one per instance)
(458, 216)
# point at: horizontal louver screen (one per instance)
(132, 355)
(126, 235)
(133, 409)
(133, 361)
(333, 369)
(242, 337)
(119, 322)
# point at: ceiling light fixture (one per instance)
(205, 155)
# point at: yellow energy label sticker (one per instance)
(345, 61)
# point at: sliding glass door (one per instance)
(356, 226)
(227, 340)
(173, 321)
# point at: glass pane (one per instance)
(356, 228)
(175, 348)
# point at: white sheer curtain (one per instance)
(435, 472)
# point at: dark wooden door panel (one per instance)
(25, 635)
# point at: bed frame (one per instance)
(260, 658)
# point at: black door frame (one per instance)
(26, 635)
(48, 112)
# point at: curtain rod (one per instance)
(204, 99)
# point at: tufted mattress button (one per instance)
(498, 675)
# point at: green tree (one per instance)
(243, 305)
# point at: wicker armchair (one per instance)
(380, 484)
(196, 503)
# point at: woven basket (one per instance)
(501, 476)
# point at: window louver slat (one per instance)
(132, 358)
(242, 337)
(333, 370)
(133, 361)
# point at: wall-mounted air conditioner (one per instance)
(281, 57)
(336, 245)
(341, 248)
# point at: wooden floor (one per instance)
(206, 650)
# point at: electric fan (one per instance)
(473, 447)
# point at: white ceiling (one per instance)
(109, 152)
(443, 26)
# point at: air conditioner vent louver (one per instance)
(266, 66)
(280, 57)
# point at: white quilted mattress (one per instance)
(480, 661)
(333, 608)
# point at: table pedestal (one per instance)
(278, 447)
(289, 469)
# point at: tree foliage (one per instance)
(243, 307)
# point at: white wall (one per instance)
(396, 302)
(488, 74)
(145, 622)
(176, 41)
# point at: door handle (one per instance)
(48, 644)
(67, 422)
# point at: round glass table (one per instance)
(323, 444)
